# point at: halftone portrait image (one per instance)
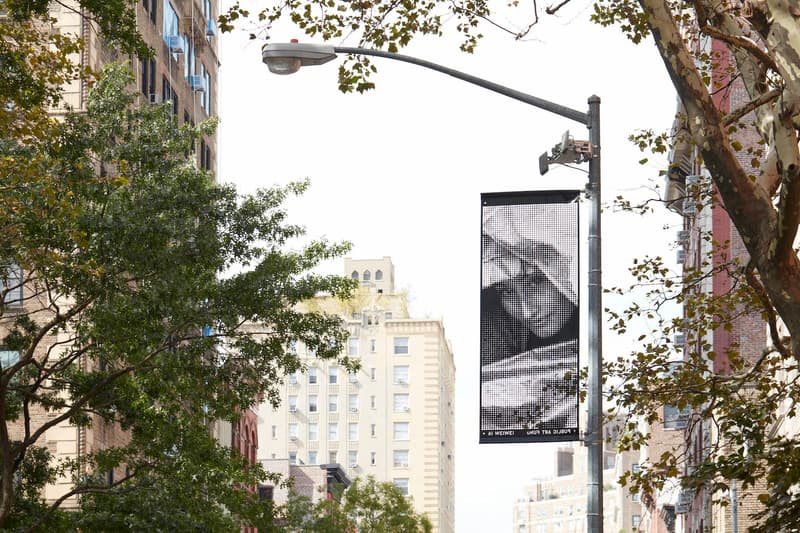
(529, 317)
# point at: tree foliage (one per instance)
(747, 405)
(138, 274)
(366, 505)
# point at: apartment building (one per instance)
(558, 504)
(182, 73)
(394, 418)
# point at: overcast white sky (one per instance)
(399, 172)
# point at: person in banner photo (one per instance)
(529, 317)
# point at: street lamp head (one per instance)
(287, 58)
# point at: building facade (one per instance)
(182, 73)
(394, 418)
(708, 234)
(559, 504)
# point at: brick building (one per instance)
(183, 74)
(698, 511)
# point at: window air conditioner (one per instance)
(406, 409)
(354, 409)
(399, 381)
(154, 98)
(175, 43)
(197, 83)
(292, 409)
(353, 465)
(293, 437)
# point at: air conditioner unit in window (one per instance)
(354, 409)
(406, 409)
(197, 83)
(353, 465)
(292, 409)
(175, 43)
(154, 98)
(400, 381)
(293, 437)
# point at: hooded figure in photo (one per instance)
(529, 316)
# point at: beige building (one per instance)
(558, 504)
(394, 418)
(182, 72)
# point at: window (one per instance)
(312, 457)
(292, 458)
(400, 431)
(333, 431)
(312, 403)
(373, 346)
(188, 58)
(373, 373)
(367, 275)
(400, 402)
(402, 485)
(292, 378)
(378, 275)
(635, 521)
(293, 431)
(352, 431)
(313, 432)
(372, 402)
(372, 432)
(170, 22)
(387, 315)
(401, 345)
(292, 404)
(635, 468)
(352, 458)
(205, 96)
(264, 492)
(400, 458)
(354, 274)
(352, 403)
(147, 75)
(635, 497)
(352, 346)
(353, 377)
(400, 375)
(274, 432)
(150, 9)
(333, 403)
(312, 376)
(333, 375)
(11, 284)
(333, 456)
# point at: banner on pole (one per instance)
(529, 317)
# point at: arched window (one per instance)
(367, 275)
(378, 275)
(354, 275)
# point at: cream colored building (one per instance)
(183, 71)
(394, 418)
(558, 504)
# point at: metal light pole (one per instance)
(287, 58)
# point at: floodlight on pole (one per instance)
(288, 58)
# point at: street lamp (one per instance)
(288, 58)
